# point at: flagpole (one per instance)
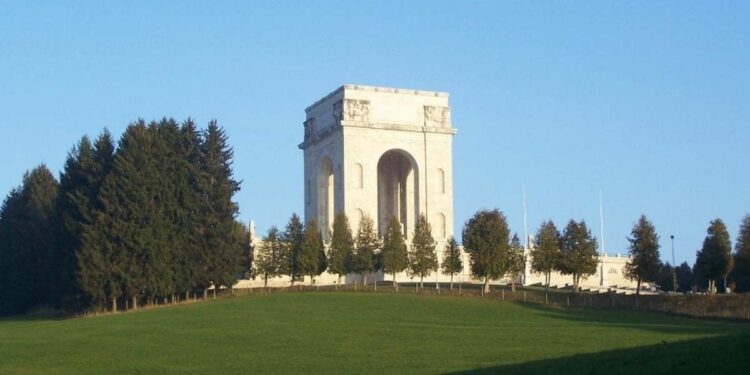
(525, 224)
(601, 234)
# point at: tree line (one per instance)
(149, 220)
(573, 252)
(299, 250)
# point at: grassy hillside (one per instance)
(371, 333)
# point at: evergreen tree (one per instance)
(341, 248)
(422, 258)
(26, 219)
(195, 256)
(292, 239)
(243, 237)
(486, 239)
(684, 277)
(269, 257)
(220, 187)
(28, 249)
(644, 262)
(452, 263)
(714, 260)
(117, 246)
(546, 254)
(395, 257)
(12, 266)
(74, 207)
(665, 278)
(517, 262)
(741, 271)
(366, 246)
(579, 257)
(85, 169)
(311, 252)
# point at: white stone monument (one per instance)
(381, 152)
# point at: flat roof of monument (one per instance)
(393, 90)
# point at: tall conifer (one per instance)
(395, 256)
(341, 248)
(311, 250)
(367, 244)
(644, 262)
(422, 258)
(714, 260)
(292, 238)
(452, 263)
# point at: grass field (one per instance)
(372, 333)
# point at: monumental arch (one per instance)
(381, 152)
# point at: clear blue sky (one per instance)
(647, 101)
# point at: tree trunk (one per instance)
(395, 284)
(546, 282)
(114, 304)
(451, 281)
(421, 281)
(265, 281)
(135, 303)
(205, 293)
(638, 287)
(187, 296)
(215, 291)
(486, 288)
(513, 285)
(575, 283)
(364, 280)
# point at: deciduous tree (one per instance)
(579, 257)
(486, 239)
(269, 257)
(546, 253)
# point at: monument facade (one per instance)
(382, 152)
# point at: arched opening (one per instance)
(355, 219)
(325, 196)
(358, 176)
(398, 190)
(440, 230)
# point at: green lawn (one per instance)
(372, 333)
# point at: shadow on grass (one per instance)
(648, 321)
(38, 315)
(713, 355)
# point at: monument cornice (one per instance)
(393, 90)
